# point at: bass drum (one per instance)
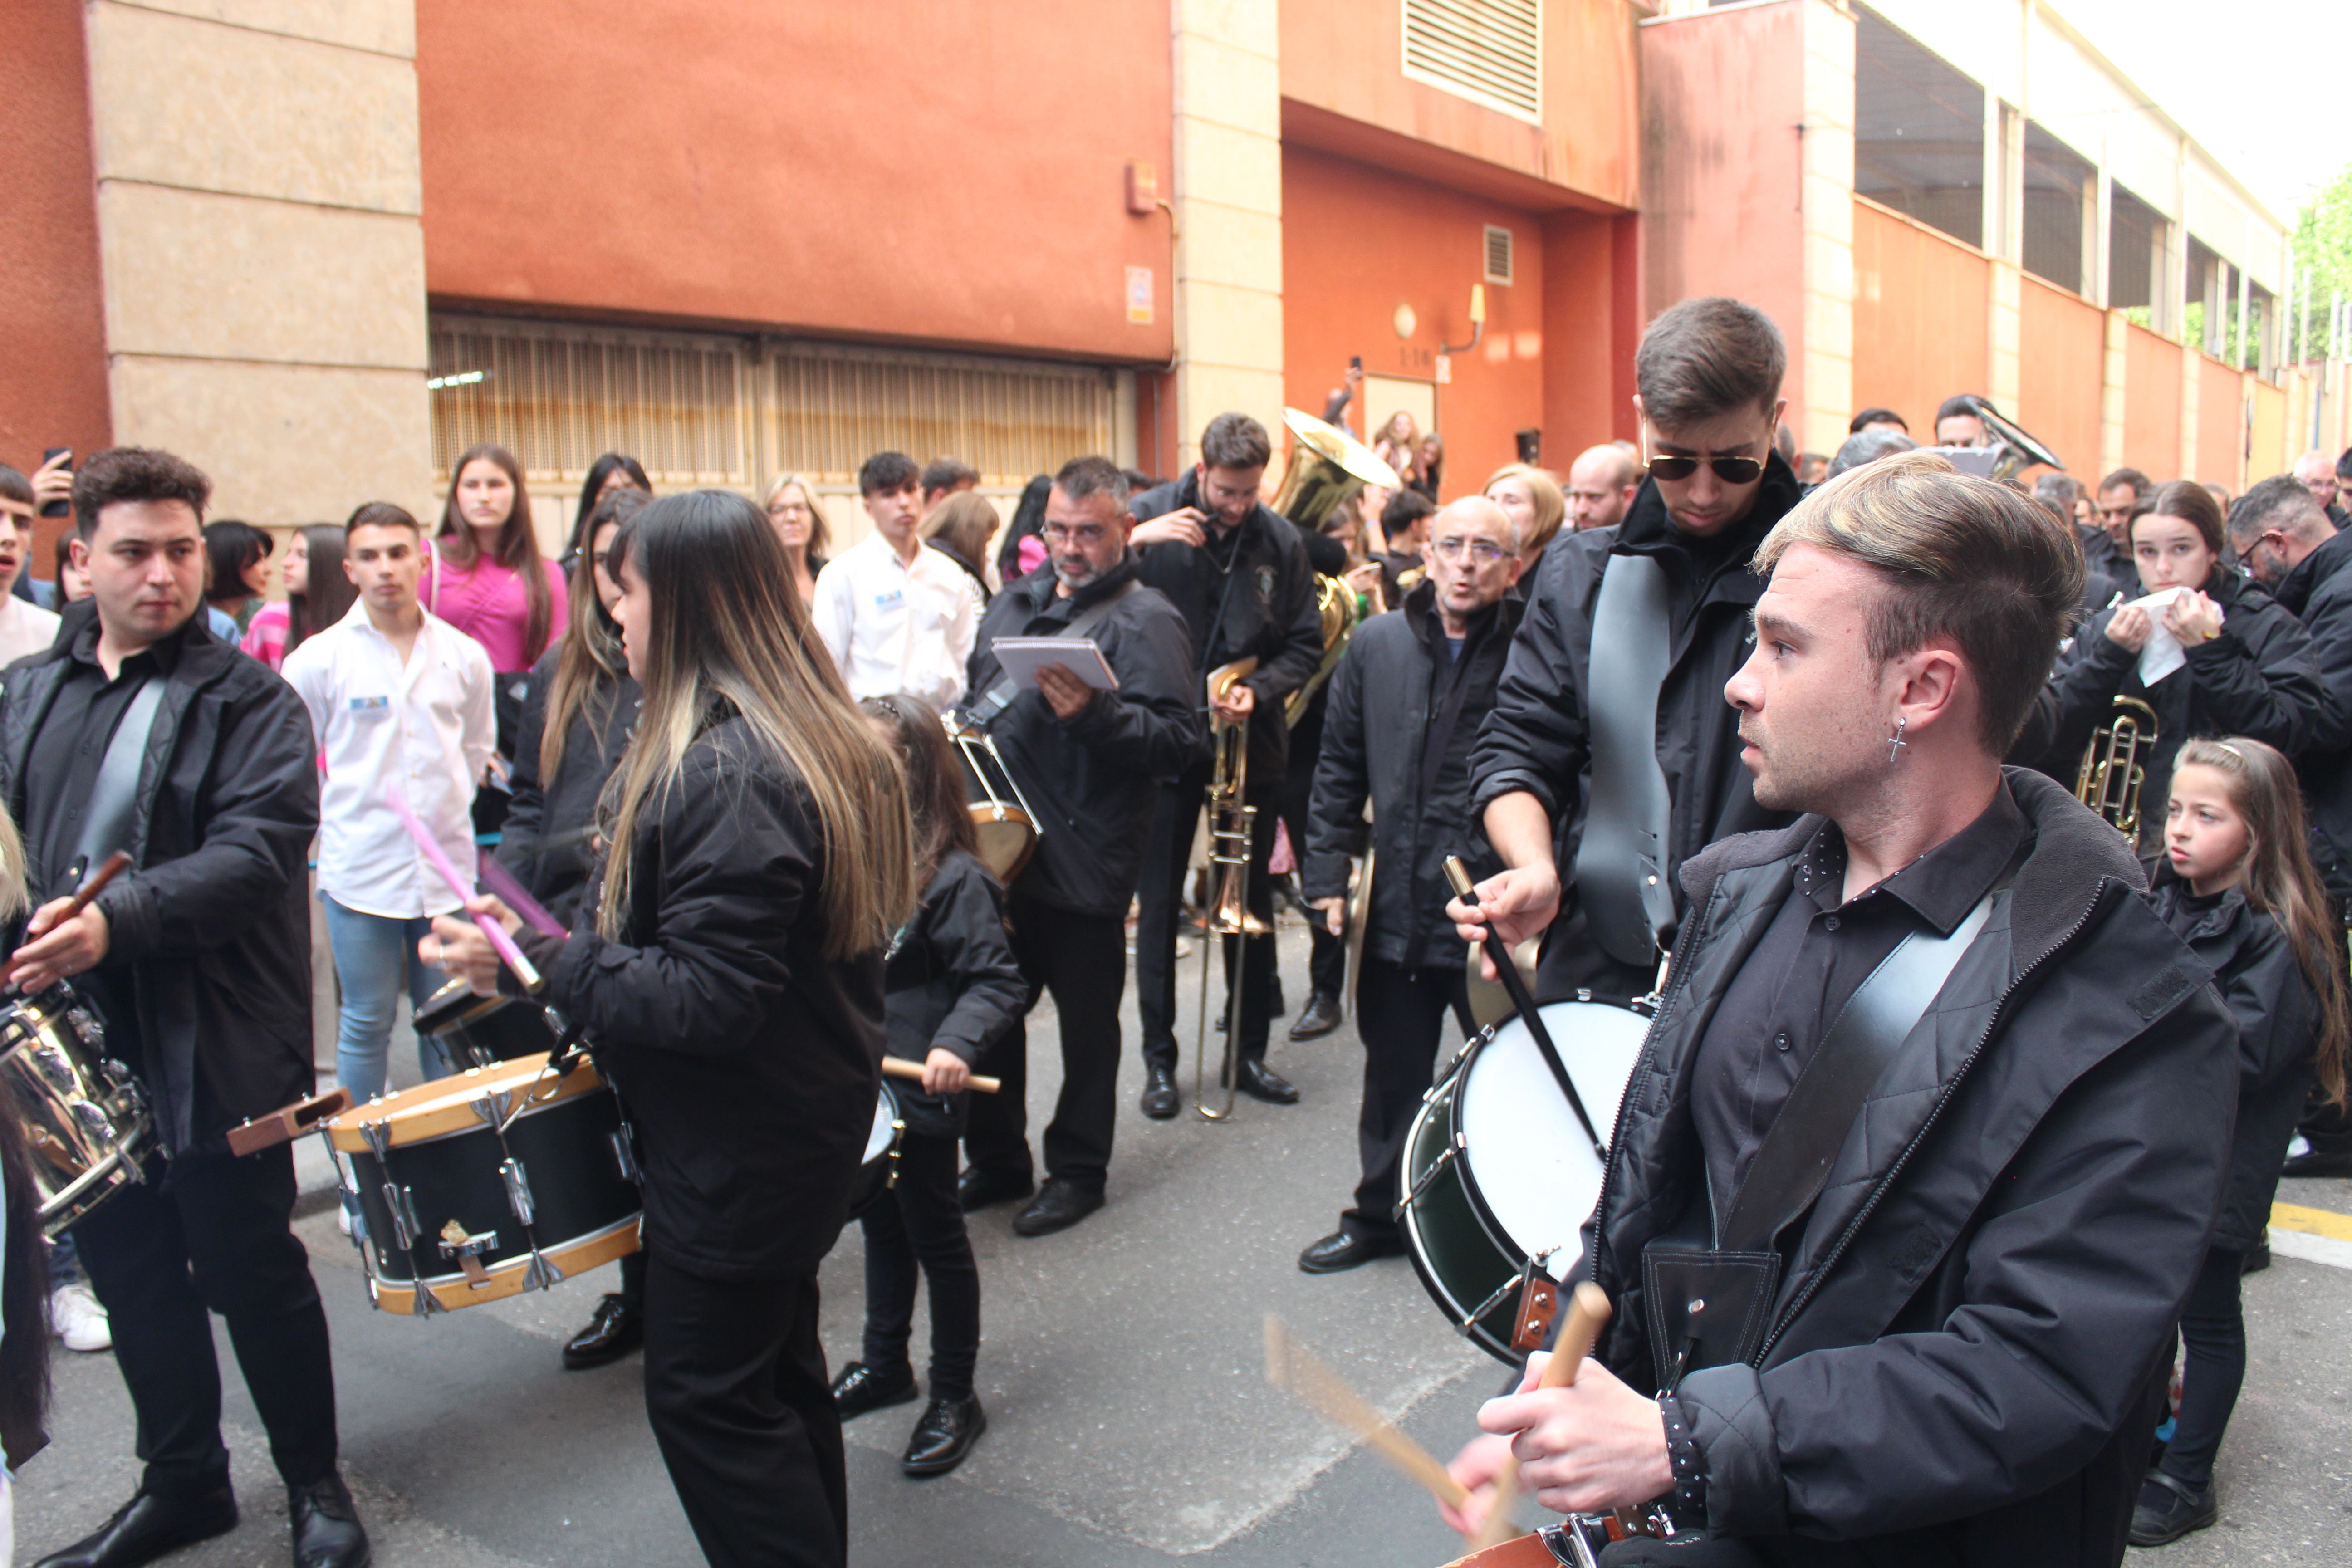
(1497, 1173)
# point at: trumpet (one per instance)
(2111, 775)
(1231, 825)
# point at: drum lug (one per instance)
(404, 1228)
(540, 1274)
(426, 1303)
(496, 1110)
(518, 1182)
(625, 1156)
(1508, 1288)
(1413, 1195)
(379, 1140)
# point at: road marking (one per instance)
(2315, 1235)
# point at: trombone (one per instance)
(2111, 775)
(1231, 825)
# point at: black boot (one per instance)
(148, 1526)
(613, 1330)
(326, 1532)
(861, 1388)
(1322, 1015)
(1159, 1098)
(944, 1435)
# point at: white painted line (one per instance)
(2311, 1249)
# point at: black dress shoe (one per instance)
(861, 1388)
(1159, 1098)
(613, 1330)
(326, 1532)
(1058, 1206)
(2319, 1161)
(1260, 1082)
(979, 1186)
(1323, 1015)
(148, 1526)
(1340, 1251)
(2257, 1259)
(944, 1435)
(2169, 1510)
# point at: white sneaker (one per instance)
(343, 1219)
(76, 1318)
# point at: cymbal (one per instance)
(1335, 445)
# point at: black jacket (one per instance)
(1388, 693)
(1094, 779)
(1979, 1305)
(557, 873)
(1268, 609)
(1536, 738)
(2254, 970)
(951, 983)
(2319, 593)
(2100, 554)
(747, 1060)
(2257, 678)
(214, 926)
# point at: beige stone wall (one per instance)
(259, 196)
(1826, 338)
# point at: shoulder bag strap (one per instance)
(1621, 861)
(114, 798)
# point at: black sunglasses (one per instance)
(1730, 470)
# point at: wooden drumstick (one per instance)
(1295, 1371)
(1588, 1309)
(114, 866)
(898, 1067)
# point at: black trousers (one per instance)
(1327, 955)
(633, 1280)
(914, 1231)
(1158, 901)
(1400, 1014)
(207, 1231)
(1082, 960)
(2213, 1330)
(738, 1401)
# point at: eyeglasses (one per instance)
(1730, 470)
(790, 509)
(1092, 533)
(1485, 552)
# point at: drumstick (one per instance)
(512, 955)
(114, 866)
(501, 881)
(1588, 1309)
(895, 1067)
(1294, 1369)
(1508, 972)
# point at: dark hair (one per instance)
(2344, 464)
(1405, 508)
(1028, 517)
(1137, 481)
(599, 472)
(2277, 503)
(59, 553)
(935, 798)
(516, 547)
(947, 474)
(230, 550)
(1963, 559)
(15, 485)
(589, 662)
(887, 471)
(2061, 489)
(1704, 358)
(2193, 503)
(1876, 416)
(381, 514)
(1868, 446)
(1083, 477)
(135, 474)
(1964, 403)
(1236, 441)
(2141, 483)
(330, 595)
(1784, 441)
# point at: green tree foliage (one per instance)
(2322, 255)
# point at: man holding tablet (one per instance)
(1089, 761)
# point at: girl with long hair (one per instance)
(610, 472)
(959, 527)
(317, 595)
(236, 568)
(1399, 446)
(953, 990)
(729, 970)
(2236, 883)
(793, 512)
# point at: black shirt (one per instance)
(62, 768)
(1818, 950)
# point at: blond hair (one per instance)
(1551, 502)
(820, 539)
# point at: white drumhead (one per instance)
(1529, 1158)
(877, 1139)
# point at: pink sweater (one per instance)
(488, 602)
(266, 633)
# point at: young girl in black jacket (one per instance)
(952, 989)
(2236, 883)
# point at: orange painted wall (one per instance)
(1920, 334)
(924, 171)
(1343, 56)
(2061, 345)
(2221, 425)
(2151, 403)
(1591, 322)
(53, 373)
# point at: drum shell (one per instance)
(84, 1118)
(477, 1031)
(1446, 1229)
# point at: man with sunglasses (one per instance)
(1611, 759)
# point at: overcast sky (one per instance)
(2266, 85)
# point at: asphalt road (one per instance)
(1121, 1370)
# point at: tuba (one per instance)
(1329, 470)
(2111, 775)
(1232, 824)
(1337, 603)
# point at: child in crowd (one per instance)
(953, 989)
(2237, 884)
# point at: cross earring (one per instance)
(1895, 744)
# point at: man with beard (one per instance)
(1088, 762)
(1610, 757)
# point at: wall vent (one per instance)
(1489, 51)
(1498, 255)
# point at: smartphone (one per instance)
(1356, 361)
(56, 508)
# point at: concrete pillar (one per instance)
(2192, 383)
(264, 262)
(2111, 397)
(1228, 211)
(2005, 329)
(1825, 368)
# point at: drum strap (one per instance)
(114, 798)
(999, 696)
(1620, 861)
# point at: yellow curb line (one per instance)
(2311, 1221)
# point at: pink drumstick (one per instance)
(501, 881)
(524, 969)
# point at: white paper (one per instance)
(2161, 655)
(1024, 656)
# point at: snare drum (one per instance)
(475, 1031)
(85, 1118)
(1498, 1176)
(1000, 818)
(495, 1181)
(878, 1168)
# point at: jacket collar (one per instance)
(1421, 613)
(193, 649)
(2294, 589)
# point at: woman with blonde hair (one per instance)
(793, 512)
(959, 527)
(1534, 502)
(729, 968)
(1399, 446)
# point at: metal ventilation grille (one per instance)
(1498, 255)
(834, 406)
(1490, 51)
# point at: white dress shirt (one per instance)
(24, 629)
(894, 627)
(425, 728)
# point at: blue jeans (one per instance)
(373, 955)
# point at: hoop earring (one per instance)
(1895, 744)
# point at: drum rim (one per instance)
(462, 1008)
(560, 1255)
(348, 1130)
